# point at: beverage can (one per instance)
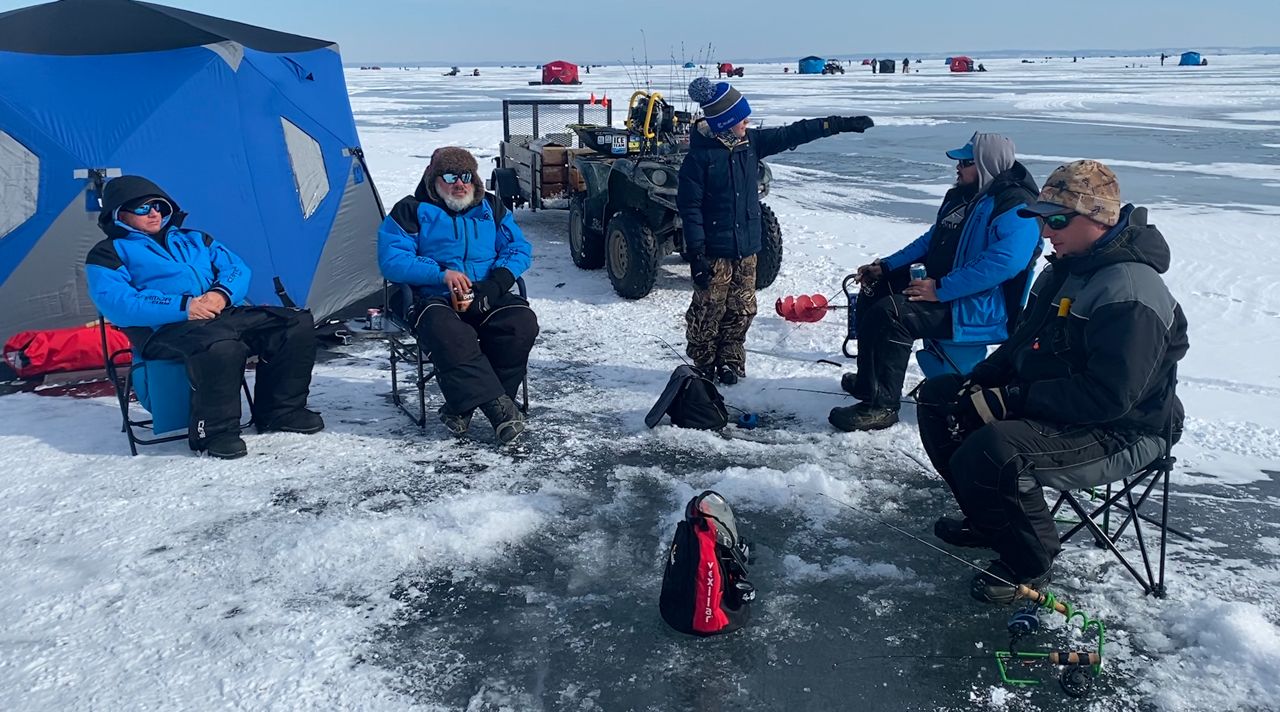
(918, 271)
(462, 300)
(373, 320)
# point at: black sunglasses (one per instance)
(1060, 221)
(159, 205)
(964, 162)
(452, 178)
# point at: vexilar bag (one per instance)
(691, 400)
(704, 587)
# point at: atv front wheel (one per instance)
(769, 261)
(586, 246)
(632, 255)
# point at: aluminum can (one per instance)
(374, 319)
(918, 271)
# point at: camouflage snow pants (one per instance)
(719, 316)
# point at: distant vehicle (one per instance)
(726, 69)
(833, 66)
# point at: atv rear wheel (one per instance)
(586, 246)
(769, 262)
(631, 254)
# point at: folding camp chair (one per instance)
(161, 387)
(1119, 496)
(938, 356)
(403, 342)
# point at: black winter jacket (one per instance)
(1110, 357)
(719, 198)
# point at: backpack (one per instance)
(691, 400)
(704, 586)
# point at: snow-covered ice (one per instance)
(376, 567)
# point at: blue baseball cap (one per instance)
(964, 153)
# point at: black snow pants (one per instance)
(888, 324)
(478, 357)
(215, 351)
(992, 471)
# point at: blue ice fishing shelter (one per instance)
(690, 65)
(812, 65)
(249, 129)
(1189, 59)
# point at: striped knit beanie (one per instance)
(722, 105)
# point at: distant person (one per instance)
(1163, 57)
(981, 68)
(179, 295)
(461, 252)
(977, 257)
(475, 72)
(1081, 395)
(720, 209)
(874, 64)
(906, 64)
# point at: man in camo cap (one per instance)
(1081, 395)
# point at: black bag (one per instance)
(691, 400)
(704, 586)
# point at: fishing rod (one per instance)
(1079, 667)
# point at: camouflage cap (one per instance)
(1086, 187)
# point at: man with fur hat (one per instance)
(461, 252)
(1082, 393)
(977, 255)
(177, 293)
(719, 205)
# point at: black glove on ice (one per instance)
(856, 124)
(700, 270)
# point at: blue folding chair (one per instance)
(937, 357)
(161, 388)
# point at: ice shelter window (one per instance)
(19, 183)
(308, 167)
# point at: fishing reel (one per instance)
(1079, 669)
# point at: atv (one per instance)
(626, 219)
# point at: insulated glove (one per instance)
(489, 290)
(486, 293)
(989, 404)
(987, 375)
(856, 124)
(700, 270)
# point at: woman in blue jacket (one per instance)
(977, 256)
(461, 252)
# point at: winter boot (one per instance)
(986, 587)
(958, 532)
(847, 382)
(728, 376)
(225, 446)
(298, 420)
(456, 423)
(862, 416)
(506, 418)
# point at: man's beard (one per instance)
(457, 205)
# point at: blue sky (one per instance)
(474, 31)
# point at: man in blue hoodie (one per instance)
(719, 204)
(461, 252)
(178, 294)
(977, 257)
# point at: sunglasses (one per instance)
(1060, 221)
(159, 205)
(452, 178)
(964, 163)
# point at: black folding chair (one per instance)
(123, 383)
(1119, 496)
(397, 300)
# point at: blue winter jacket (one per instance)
(995, 246)
(138, 280)
(420, 239)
